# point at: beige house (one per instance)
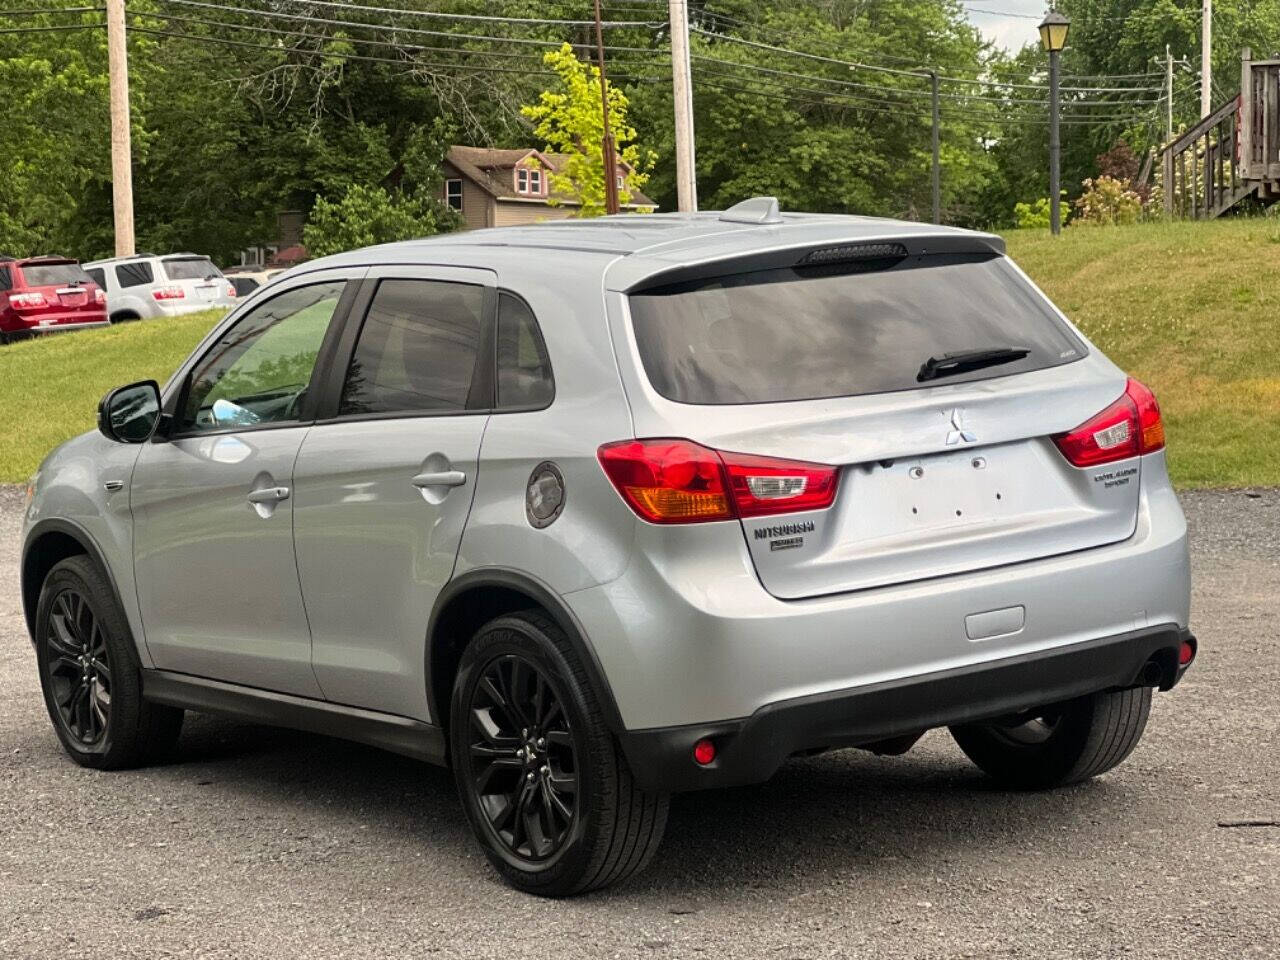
(502, 188)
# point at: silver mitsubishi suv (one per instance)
(596, 512)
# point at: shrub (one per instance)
(1107, 201)
(1032, 216)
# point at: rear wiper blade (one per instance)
(952, 363)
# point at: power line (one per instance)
(476, 17)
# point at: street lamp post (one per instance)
(1053, 37)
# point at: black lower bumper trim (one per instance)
(751, 749)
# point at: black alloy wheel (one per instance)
(523, 760)
(78, 668)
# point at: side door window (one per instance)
(98, 276)
(259, 371)
(418, 351)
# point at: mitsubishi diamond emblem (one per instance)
(958, 433)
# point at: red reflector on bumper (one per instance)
(704, 752)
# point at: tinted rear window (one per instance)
(191, 268)
(53, 274)
(811, 333)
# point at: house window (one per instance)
(621, 181)
(453, 193)
(535, 182)
(522, 180)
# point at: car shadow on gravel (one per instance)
(842, 814)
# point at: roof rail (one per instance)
(755, 210)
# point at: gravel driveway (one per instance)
(267, 843)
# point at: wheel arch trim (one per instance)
(545, 597)
(68, 528)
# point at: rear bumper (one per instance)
(53, 323)
(751, 749)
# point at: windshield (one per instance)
(191, 268)
(53, 274)
(808, 333)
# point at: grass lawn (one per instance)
(1191, 309)
(50, 387)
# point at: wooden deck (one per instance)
(1231, 154)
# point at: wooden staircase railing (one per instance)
(1200, 176)
(1231, 154)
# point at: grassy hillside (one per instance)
(1191, 309)
(50, 387)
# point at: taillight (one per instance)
(99, 297)
(28, 301)
(231, 290)
(1129, 427)
(168, 293)
(679, 481)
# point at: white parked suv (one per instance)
(145, 286)
(597, 512)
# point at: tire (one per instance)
(1066, 743)
(613, 827)
(91, 677)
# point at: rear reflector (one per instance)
(704, 752)
(679, 481)
(1186, 653)
(1128, 428)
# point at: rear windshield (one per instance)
(806, 333)
(53, 274)
(191, 268)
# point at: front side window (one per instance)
(417, 350)
(453, 194)
(134, 274)
(259, 370)
(524, 371)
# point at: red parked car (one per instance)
(40, 294)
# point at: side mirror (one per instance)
(130, 414)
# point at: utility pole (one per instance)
(606, 143)
(682, 84)
(1206, 58)
(121, 152)
(1168, 92)
(937, 149)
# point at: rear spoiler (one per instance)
(834, 253)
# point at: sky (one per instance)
(1012, 24)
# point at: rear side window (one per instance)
(417, 350)
(524, 372)
(134, 274)
(97, 275)
(6, 279)
(811, 333)
(191, 268)
(53, 274)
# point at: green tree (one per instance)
(569, 119)
(365, 215)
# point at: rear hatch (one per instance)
(198, 279)
(933, 384)
(56, 292)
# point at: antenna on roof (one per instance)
(755, 210)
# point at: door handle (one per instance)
(440, 478)
(269, 495)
